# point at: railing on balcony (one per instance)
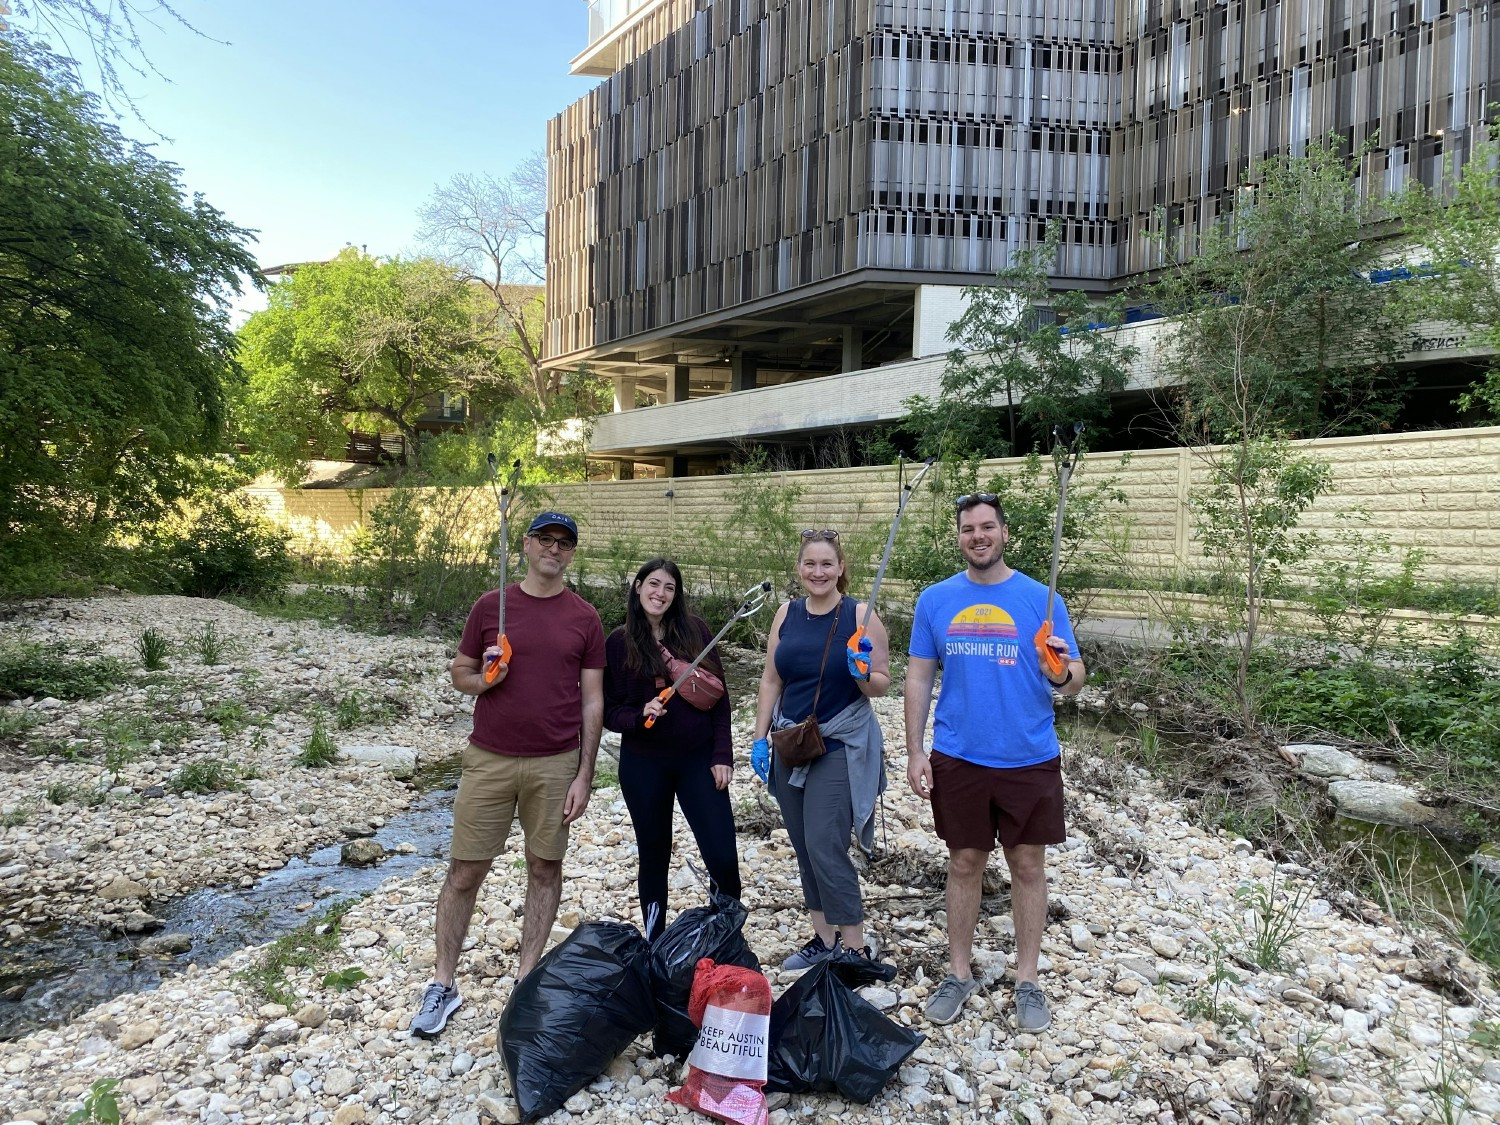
(605, 15)
(376, 449)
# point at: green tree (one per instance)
(355, 342)
(1026, 359)
(115, 348)
(1275, 328)
(1276, 333)
(1457, 229)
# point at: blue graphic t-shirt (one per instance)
(995, 706)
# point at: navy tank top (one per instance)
(799, 650)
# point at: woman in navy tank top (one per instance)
(810, 671)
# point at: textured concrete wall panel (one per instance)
(1437, 491)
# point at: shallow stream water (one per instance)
(53, 973)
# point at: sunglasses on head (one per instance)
(969, 499)
(826, 533)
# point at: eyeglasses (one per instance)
(827, 533)
(969, 499)
(563, 545)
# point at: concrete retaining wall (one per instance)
(1439, 491)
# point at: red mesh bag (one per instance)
(731, 1007)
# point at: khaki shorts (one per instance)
(494, 788)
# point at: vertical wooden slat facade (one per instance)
(751, 147)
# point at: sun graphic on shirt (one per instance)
(983, 622)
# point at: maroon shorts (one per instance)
(973, 806)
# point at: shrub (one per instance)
(421, 557)
(225, 545)
(42, 670)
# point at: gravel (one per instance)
(1136, 958)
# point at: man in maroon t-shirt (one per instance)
(536, 735)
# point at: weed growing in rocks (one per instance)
(349, 710)
(1207, 1000)
(320, 750)
(1279, 1099)
(15, 723)
(125, 736)
(1272, 922)
(1480, 928)
(99, 1104)
(207, 775)
(343, 980)
(1309, 1051)
(66, 793)
(43, 670)
(231, 715)
(153, 648)
(16, 816)
(1452, 1083)
(212, 644)
(306, 947)
(359, 708)
(1486, 1034)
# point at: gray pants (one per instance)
(820, 819)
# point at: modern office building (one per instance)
(783, 198)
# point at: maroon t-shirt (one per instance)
(538, 708)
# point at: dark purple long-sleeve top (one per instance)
(681, 728)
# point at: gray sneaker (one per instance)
(438, 1003)
(808, 956)
(1031, 1008)
(944, 1005)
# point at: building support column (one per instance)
(741, 373)
(625, 469)
(854, 349)
(624, 394)
(677, 383)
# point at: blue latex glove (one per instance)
(855, 659)
(760, 759)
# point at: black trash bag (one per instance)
(582, 1005)
(824, 1037)
(714, 931)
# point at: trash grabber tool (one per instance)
(502, 499)
(860, 661)
(1064, 471)
(754, 598)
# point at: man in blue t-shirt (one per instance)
(994, 771)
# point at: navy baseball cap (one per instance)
(553, 519)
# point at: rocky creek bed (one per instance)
(1158, 1014)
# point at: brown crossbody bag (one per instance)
(798, 745)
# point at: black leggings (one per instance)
(649, 785)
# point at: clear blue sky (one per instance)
(325, 122)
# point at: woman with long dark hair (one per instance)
(685, 754)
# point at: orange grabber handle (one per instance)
(665, 694)
(1049, 654)
(862, 660)
(492, 666)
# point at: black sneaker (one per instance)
(808, 956)
(857, 967)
